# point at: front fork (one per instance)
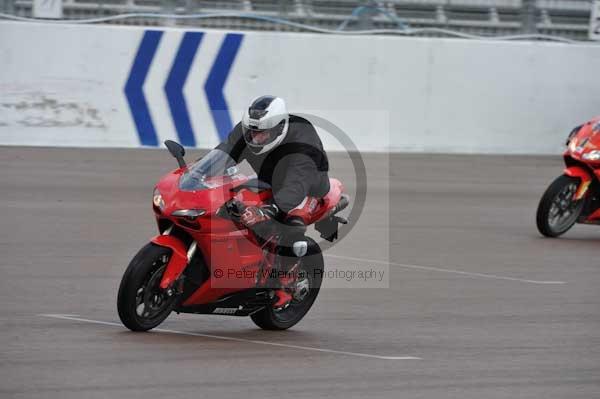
(591, 212)
(180, 257)
(585, 180)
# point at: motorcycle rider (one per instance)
(285, 152)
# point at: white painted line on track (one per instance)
(225, 338)
(438, 269)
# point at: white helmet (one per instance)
(265, 124)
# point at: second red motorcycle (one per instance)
(574, 197)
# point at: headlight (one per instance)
(157, 200)
(592, 155)
(189, 213)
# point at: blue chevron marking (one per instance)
(174, 87)
(216, 81)
(134, 88)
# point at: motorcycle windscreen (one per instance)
(216, 163)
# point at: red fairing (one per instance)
(313, 209)
(177, 262)
(578, 171)
(250, 198)
(209, 199)
(584, 141)
(230, 251)
(233, 260)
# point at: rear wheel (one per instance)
(305, 291)
(141, 303)
(558, 211)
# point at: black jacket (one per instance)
(296, 168)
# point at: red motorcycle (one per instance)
(205, 261)
(574, 197)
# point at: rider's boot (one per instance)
(288, 262)
(284, 298)
(284, 293)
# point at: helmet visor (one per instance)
(260, 138)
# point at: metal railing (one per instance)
(563, 18)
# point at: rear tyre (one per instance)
(558, 211)
(141, 303)
(307, 290)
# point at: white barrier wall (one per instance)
(69, 85)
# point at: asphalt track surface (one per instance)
(489, 308)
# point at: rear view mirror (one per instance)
(177, 151)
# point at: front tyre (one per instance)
(141, 303)
(558, 211)
(308, 284)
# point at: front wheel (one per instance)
(558, 210)
(141, 303)
(306, 289)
